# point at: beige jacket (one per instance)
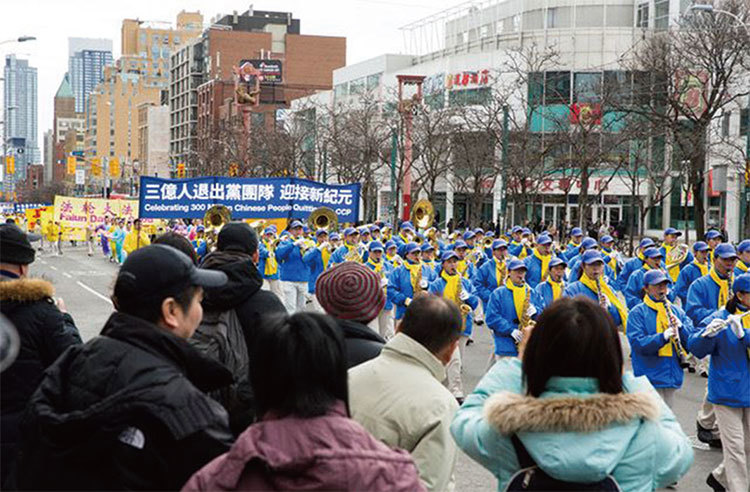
(399, 398)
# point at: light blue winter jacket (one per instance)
(641, 443)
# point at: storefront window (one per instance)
(557, 88)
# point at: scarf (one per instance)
(745, 323)
(573, 244)
(557, 288)
(662, 322)
(376, 266)
(452, 284)
(415, 270)
(723, 287)
(271, 266)
(544, 260)
(463, 267)
(519, 296)
(640, 256)
(701, 266)
(499, 271)
(610, 259)
(741, 265)
(325, 255)
(607, 291)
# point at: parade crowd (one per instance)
(253, 358)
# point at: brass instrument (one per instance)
(214, 219)
(464, 308)
(416, 281)
(675, 340)
(259, 225)
(422, 214)
(487, 243)
(323, 218)
(525, 316)
(355, 255)
(676, 255)
(599, 294)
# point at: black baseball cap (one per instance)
(15, 245)
(237, 236)
(159, 271)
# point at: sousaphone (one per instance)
(323, 218)
(422, 214)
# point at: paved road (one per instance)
(85, 283)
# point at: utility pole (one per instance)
(394, 196)
(504, 169)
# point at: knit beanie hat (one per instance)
(350, 291)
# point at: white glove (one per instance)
(735, 324)
(323, 246)
(714, 328)
(531, 311)
(423, 283)
(464, 295)
(407, 301)
(384, 282)
(668, 333)
(517, 335)
(299, 242)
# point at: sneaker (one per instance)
(714, 484)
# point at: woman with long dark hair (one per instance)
(571, 411)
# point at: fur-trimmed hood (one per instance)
(25, 290)
(510, 413)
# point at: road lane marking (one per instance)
(67, 274)
(53, 267)
(100, 296)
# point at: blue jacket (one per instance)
(485, 280)
(642, 454)
(662, 372)
(631, 266)
(740, 271)
(533, 270)
(314, 261)
(501, 317)
(571, 251)
(544, 294)
(514, 248)
(635, 286)
(291, 266)
(687, 276)
(387, 271)
(263, 254)
(438, 285)
(729, 372)
(400, 288)
(578, 289)
(702, 299)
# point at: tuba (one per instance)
(422, 214)
(214, 219)
(676, 255)
(323, 218)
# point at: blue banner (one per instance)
(257, 198)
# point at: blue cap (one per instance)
(376, 246)
(712, 234)
(555, 261)
(273, 227)
(410, 248)
(200, 228)
(672, 230)
(489, 234)
(349, 231)
(407, 225)
(743, 246)
(334, 236)
(606, 239)
(576, 231)
(499, 243)
(543, 239)
(525, 231)
(653, 253)
(295, 224)
(725, 250)
(478, 230)
(320, 231)
(388, 225)
(645, 243)
(447, 255)
(516, 229)
(592, 256)
(364, 230)
(468, 235)
(700, 246)
(655, 277)
(741, 283)
(459, 244)
(390, 244)
(515, 264)
(305, 228)
(589, 243)
(427, 247)
(374, 228)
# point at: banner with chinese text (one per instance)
(76, 214)
(260, 198)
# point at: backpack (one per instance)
(220, 337)
(531, 477)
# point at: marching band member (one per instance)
(611, 257)
(634, 263)
(454, 287)
(670, 241)
(537, 264)
(552, 288)
(364, 236)
(335, 240)
(409, 280)
(692, 272)
(465, 267)
(713, 238)
(391, 254)
(515, 246)
(317, 260)
(654, 326)
(510, 306)
(383, 324)
(428, 256)
(386, 232)
(351, 250)
(725, 336)
(574, 261)
(375, 233)
(526, 242)
(743, 261)
(633, 291)
(593, 284)
(199, 243)
(492, 274)
(268, 265)
(405, 236)
(293, 272)
(488, 248)
(576, 235)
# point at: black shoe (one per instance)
(480, 322)
(706, 436)
(691, 370)
(714, 484)
(469, 342)
(460, 400)
(704, 374)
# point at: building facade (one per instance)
(153, 129)
(86, 61)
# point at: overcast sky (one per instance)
(370, 26)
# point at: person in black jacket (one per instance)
(127, 410)
(352, 293)
(44, 329)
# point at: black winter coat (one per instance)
(126, 410)
(44, 333)
(362, 344)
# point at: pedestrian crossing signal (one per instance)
(10, 165)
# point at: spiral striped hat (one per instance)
(350, 291)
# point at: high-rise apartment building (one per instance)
(20, 117)
(86, 61)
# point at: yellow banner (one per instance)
(76, 214)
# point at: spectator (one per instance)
(179, 242)
(399, 396)
(44, 328)
(570, 405)
(126, 410)
(352, 293)
(305, 439)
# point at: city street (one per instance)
(85, 285)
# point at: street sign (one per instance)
(80, 176)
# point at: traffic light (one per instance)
(71, 165)
(233, 169)
(10, 164)
(114, 168)
(181, 170)
(96, 166)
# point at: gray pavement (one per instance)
(85, 283)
